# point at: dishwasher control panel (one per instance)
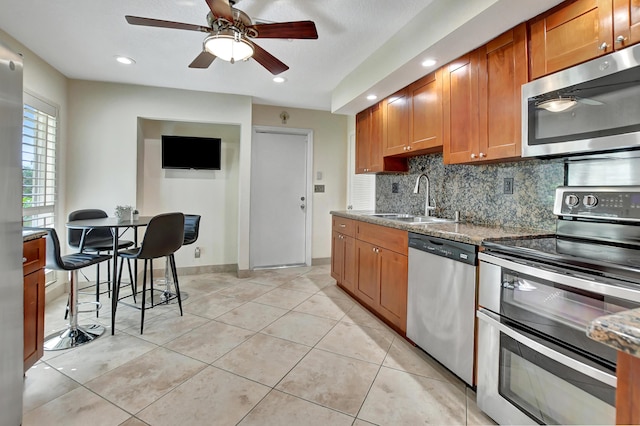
(461, 252)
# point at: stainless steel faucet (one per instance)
(416, 190)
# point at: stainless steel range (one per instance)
(536, 297)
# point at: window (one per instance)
(39, 134)
(361, 192)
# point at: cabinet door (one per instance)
(425, 116)
(626, 23)
(393, 287)
(396, 124)
(375, 139)
(367, 287)
(337, 256)
(502, 72)
(350, 270)
(363, 131)
(33, 318)
(460, 109)
(580, 31)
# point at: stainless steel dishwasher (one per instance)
(442, 301)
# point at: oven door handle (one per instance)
(546, 272)
(599, 375)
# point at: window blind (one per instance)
(361, 190)
(39, 137)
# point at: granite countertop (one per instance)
(462, 232)
(621, 331)
(28, 235)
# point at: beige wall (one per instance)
(103, 155)
(329, 157)
(211, 194)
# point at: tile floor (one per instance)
(284, 347)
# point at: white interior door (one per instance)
(279, 199)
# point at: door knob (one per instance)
(301, 198)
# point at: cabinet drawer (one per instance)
(344, 226)
(33, 255)
(382, 236)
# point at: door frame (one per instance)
(309, 184)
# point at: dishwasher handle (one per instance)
(455, 250)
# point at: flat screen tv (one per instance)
(188, 152)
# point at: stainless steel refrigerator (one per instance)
(11, 287)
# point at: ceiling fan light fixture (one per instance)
(229, 45)
(558, 104)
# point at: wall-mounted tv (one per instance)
(188, 152)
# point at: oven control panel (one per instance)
(601, 202)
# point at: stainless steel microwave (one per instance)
(593, 107)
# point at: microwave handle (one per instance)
(567, 278)
(491, 319)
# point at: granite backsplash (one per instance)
(477, 191)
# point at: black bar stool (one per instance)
(163, 237)
(74, 335)
(94, 241)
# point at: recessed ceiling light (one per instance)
(372, 97)
(279, 79)
(125, 60)
(429, 62)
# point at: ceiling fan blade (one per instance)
(221, 9)
(267, 60)
(296, 29)
(203, 60)
(148, 22)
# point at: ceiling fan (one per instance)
(229, 32)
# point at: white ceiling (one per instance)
(355, 52)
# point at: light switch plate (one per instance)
(318, 188)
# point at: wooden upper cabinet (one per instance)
(425, 113)
(363, 131)
(369, 139)
(396, 123)
(502, 72)
(580, 31)
(481, 101)
(460, 109)
(626, 23)
(413, 118)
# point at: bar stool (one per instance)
(74, 335)
(191, 232)
(95, 241)
(163, 237)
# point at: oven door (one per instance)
(525, 379)
(556, 303)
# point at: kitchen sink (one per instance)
(411, 219)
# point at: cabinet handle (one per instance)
(482, 155)
(603, 46)
(342, 225)
(24, 260)
(473, 156)
(408, 148)
(620, 39)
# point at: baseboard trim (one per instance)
(319, 261)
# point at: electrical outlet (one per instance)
(196, 252)
(508, 186)
(395, 188)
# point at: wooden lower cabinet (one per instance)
(34, 282)
(628, 389)
(373, 268)
(343, 268)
